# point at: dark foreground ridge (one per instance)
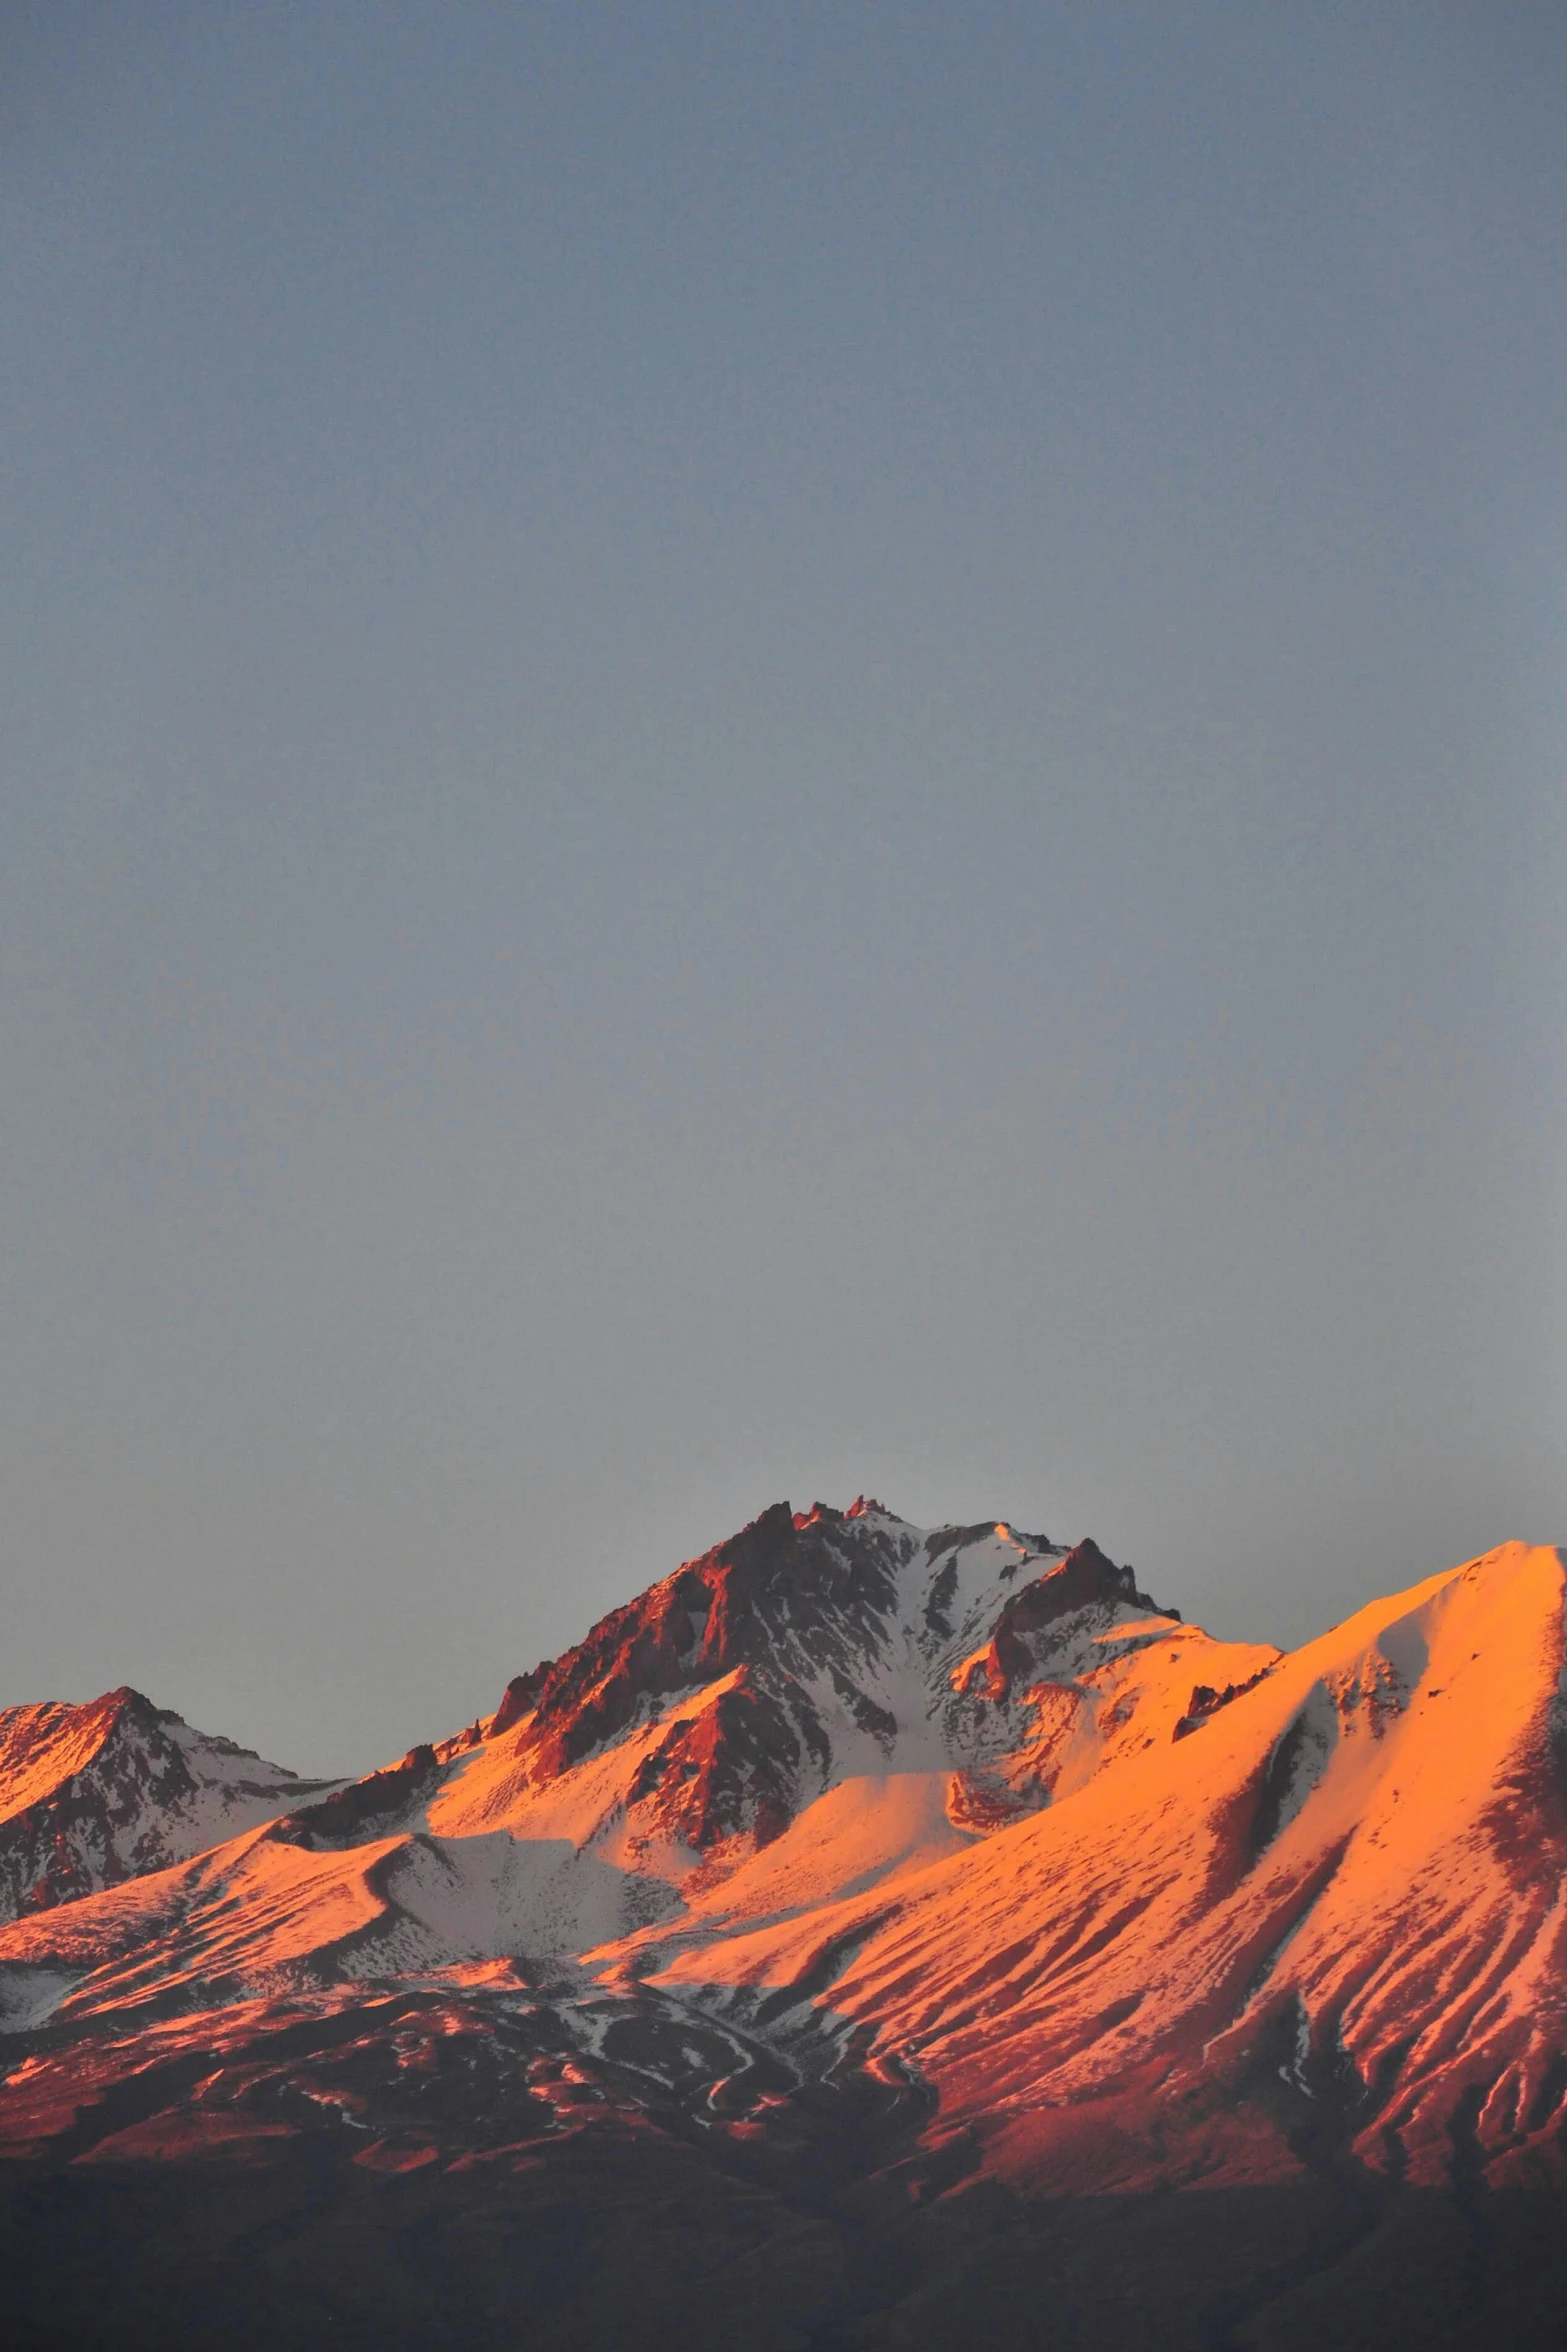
(650, 2242)
(430, 2168)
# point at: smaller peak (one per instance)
(772, 1521)
(1090, 1570)
(867, 1507)
(115, 1706)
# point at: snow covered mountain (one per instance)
(838, 1685)
(95, 1794)
(1332, 1892)
(949, 1846)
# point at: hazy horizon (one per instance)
(766, 753)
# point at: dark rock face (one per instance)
(1206, 1701)
(1085, 1579)
(792, 1590)
(793, 1598)
(366, 1809)
(733, 1768)
(520, 1696)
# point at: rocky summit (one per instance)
(871, 1935)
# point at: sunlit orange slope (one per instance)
(1345, 1888)
(964, 1808)
(828, 1700)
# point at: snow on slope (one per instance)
(825, 1700)
(812, 1648)
(1129, 1904)
(852, 1697)
(91, 1795)
(1348, 1882)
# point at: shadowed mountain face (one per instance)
(855, 1871)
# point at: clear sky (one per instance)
(752, 751)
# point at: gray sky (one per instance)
(755, 751)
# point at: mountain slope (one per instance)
(1343, 1893)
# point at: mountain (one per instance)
(833, 1693)
(95, 1794)
(848, 1933)
(1334, 1889)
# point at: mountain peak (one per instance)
(109, 1789)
